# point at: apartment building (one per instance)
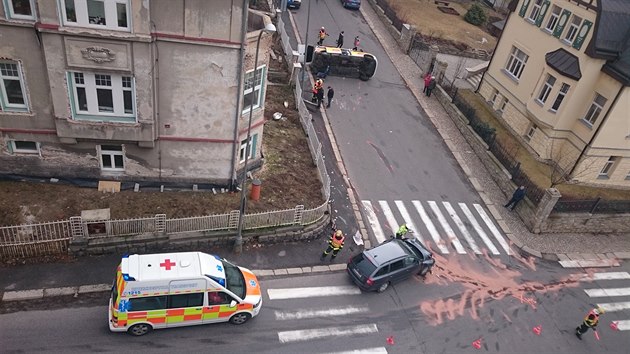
(130, 90)
(560, 81)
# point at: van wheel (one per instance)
(383, 287)
(139, 329)
(240, 318)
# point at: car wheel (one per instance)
(383, 287)
(240, 318)
(424, 271)
(139, 329)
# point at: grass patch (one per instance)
(538, 172)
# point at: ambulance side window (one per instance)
(147, 303)
(185, 300)
(218, 298)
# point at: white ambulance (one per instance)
(164, 290)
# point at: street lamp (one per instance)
(238, 244)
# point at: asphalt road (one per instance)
(444, 313)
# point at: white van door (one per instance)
(185, 305)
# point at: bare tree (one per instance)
(559, 160)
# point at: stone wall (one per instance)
(540, 218)
(154, 242)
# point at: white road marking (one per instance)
(298, 315)
(607, 292)
(429, 225)
(407, 219)
(493, 229)
(602, 276)
(315, 333)
(373, 220)
(603, 263)
(623, 325)
(391, 220)
(297, 293)
(615, 306)
(478, 228)
(447, 228)
(379, 350)
(462, 228)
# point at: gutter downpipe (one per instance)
(614, 102)
(239, 67)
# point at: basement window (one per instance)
(24, 147)
(112, 158)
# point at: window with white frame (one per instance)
(250, 152)
(530, 132)
(535, 10)
(564, 89)
(252, 93)
(24, 147)
(595, 109)
(112, 158)
(104, 97)
(20, 9)
(495, 95)
(608, 167)
(12, 93)
(516, 62)
(546, 89)
(108, 14)
(574, 27)
(553, 18)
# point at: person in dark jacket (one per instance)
(432, 84)
(320, 96)
(330, 94)
(518, 195)
(340, 40)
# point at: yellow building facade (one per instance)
(560, 81)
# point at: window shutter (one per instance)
(579, 40)
(254, 139)
(543, 12)
(523, 9)
(562, 21)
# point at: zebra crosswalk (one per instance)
(620, 296)
(456, 227)
(324, 311)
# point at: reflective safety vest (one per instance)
(335, 243)
(591, 319)
(402, 230)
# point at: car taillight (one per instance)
(369, 282)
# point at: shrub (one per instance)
(476, 15)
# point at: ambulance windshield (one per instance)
(234, 279)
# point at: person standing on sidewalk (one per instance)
(335, 244)
(590, 321)
(330, 94)
(320, 96)
(340, 40)
(431, 86)
(517, 196)
(356, 43)
(427, 81)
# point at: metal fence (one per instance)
(593, 206)
(391, 14)
(35, 239)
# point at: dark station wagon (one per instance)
(388, 263)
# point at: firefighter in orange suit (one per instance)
(335, 244)
(590, 321)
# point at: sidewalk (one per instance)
(561, 246)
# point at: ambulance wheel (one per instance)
(240, 318)
(140, 329)
(383, 287)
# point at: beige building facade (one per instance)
(130, 90)
(560, 81)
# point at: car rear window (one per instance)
(363, 265)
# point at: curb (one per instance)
(36, 294)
